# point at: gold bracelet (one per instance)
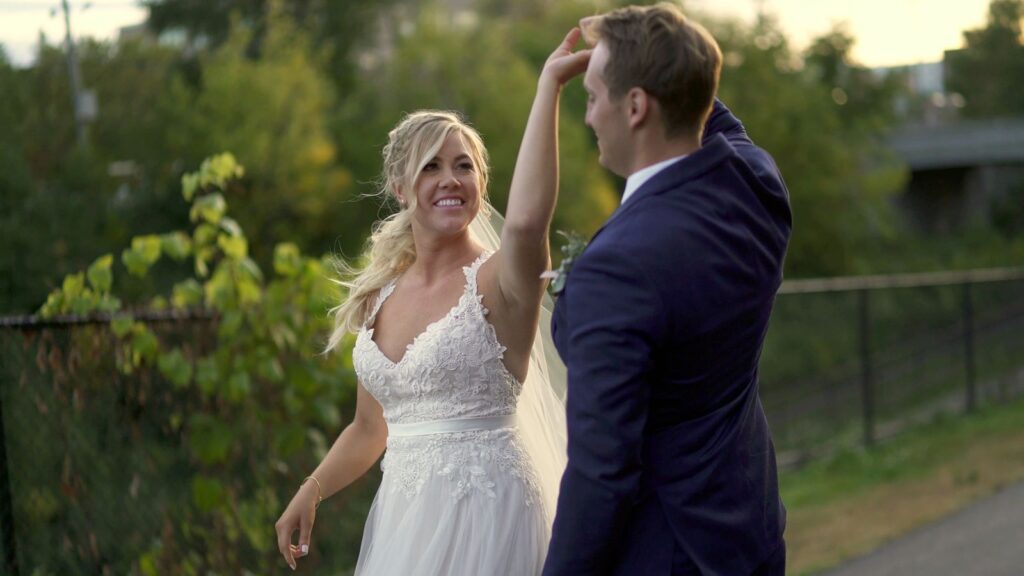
(319, 489)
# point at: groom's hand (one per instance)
(563, 64)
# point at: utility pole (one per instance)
(761, 12)
(83, 104)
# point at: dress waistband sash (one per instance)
(451, 426)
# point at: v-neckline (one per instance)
(388, 289)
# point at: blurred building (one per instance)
(925, 100)
(963, 173)
(401, 20)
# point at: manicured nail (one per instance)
(305, 548)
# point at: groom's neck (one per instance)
(649, 149)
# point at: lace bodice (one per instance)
(453, 369)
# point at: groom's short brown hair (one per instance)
(658, 49)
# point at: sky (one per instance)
(888, 32)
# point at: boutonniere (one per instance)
(574, 246)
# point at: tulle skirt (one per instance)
(456, 504)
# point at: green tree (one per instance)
(339, 29)
(73, 202)
(272, 113)
(838, 176)
(229, 426)
(867, 100)
(469, 69)
(989, 70)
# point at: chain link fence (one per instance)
(856, 360)
(99, 473)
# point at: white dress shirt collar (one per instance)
(640, 177)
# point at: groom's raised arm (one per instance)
(615, 321)
(723, 121)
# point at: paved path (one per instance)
(987, 538)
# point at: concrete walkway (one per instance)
(987, 538)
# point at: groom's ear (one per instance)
(638, 106)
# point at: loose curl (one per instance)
(413, 143)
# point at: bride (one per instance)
(452, 373)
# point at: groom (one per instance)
(671, 465)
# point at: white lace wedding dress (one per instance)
(459, 495)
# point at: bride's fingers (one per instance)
(571, 65)
(571, 39)
(305, 528)
(284, 545)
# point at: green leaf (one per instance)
(210, 439)
(186, 294)
(251, 269)
(145, 251)
(239, 386)
(207, 493)
(287, 259)
(147, 565)
(328, 414)
(209, 208)
(235, 247)
(144, 343)
(318, 442)
(189, 185)
(175, 367)
(134, 262)
(230, 323)
(207, 375)
(270, 369)
(73, 286)
(219, 289)
(205, 234)
(54, 304)
(289, 439)
(100, 276)
(231, 227)
(148, 246)
(109, 304)
(177, 245)
(202, 270)
(218, 170)
(203, 255)
(248, 291)
(122, 325)
(255, 520)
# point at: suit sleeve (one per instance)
(722, 121)
(615, 320)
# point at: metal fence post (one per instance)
(6, 505)
(865, 359)
(971, 398)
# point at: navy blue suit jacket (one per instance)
(671, 465)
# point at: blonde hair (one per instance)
(413, 143)
(670, 57)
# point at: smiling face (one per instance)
(605, 116)
(446, 191)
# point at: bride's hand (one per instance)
(299, 515)
(563, 64)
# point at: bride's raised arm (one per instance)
(531, 202)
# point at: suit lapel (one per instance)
(690, 168)
(558, 327)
